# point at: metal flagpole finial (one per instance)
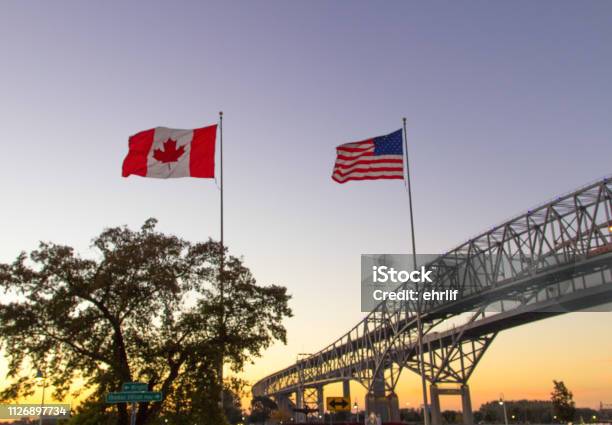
(221, 114)
(404, 119)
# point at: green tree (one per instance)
(147, 307)
(563, 402)
(261, 409)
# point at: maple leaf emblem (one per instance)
(170, 153)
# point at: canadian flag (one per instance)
(167, 152)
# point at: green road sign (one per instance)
(133, 397)
(130, 387)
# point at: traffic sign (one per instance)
(133, 397)
(131, 387)
(338, 404)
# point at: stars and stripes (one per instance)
(377, 158)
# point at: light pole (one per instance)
(40, 378)
(501, 403)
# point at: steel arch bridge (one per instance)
(552, 259)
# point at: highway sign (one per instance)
(133, 397)
(338, 404)
(130, 387)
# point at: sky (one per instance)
(507, 104)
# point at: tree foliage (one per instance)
(563, 402)
(261, 409)
(147, 307)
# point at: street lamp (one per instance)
(355, 407)
(40, 378)
(501, 403)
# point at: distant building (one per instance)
(605, 410)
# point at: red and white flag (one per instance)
(166, 153)
(377, 158)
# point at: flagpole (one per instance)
(221, 267)
(221, 183)
(418, 312)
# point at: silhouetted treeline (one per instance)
(519, 412)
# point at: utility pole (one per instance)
(503, 404)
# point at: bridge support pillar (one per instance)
(394, 410)
(376, 401)
(284, 403)
(320, 401)
(466, 404)
(434, 405)
(299, 403)
(346, 389)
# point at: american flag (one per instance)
(377, 158)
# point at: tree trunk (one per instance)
(143, 413)
(123, 418)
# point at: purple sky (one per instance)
(508, 104)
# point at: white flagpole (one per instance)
(418, 312)
(221, 175)
(221, 267)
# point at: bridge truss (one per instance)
(550, 260)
